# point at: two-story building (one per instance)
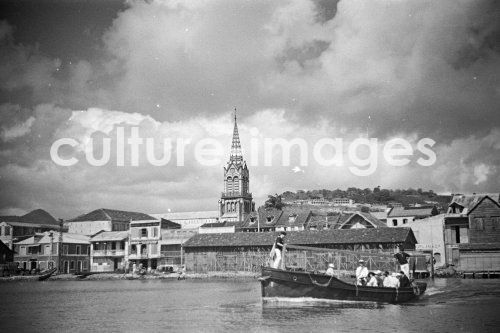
(109, 251)
(69, 252)
(400, 217)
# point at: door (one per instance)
(66, 267)
(115, 264)
(79, 266)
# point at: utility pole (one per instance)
(59, 245)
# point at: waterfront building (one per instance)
(190, 220)
(266, 219)
(69, 252)
(429, 233)
(7, 266)
(399, 216)
(104, 219)
(217, 227)
(246, 251)
(109, 251)
(236, 202)
(171, 245)
(16, 228)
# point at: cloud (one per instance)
(17, 131)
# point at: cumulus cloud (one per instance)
(294, 69)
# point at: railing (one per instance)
(138, 256)
(235, 194)
(170, 253)
(104, 253)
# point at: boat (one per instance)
(278, 283)
(46, 274)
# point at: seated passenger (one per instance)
(379, 277)
(329, 271)
(403, 280)
(372, 280)
(390, 281)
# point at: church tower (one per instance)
(236, 201)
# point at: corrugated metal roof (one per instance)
(104, 214)
(417, 212)
(110, 236)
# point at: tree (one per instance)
(274, 201)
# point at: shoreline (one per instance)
(118, 276)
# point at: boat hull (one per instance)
(285, 283)
(45, 275)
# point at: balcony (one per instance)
(108, 253)
(228, 195)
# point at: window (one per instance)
(122, 245)
(457, 235)
(113, 245)
(22, 250)
(72, 264)
(478, 223)
(394, 223)
(405, 221)
(85, 263)
(133, 249)
(65, 249)
(270, 219)
(47, 249)
(155, 232)
(7, 231)
(1, 230)
(252, 220)
(144, 232)
(78, 249)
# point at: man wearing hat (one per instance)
(277, 250)
(361, 273)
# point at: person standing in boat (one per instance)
(277, 250)
(402, 258)
(361, 273)
(330, 271)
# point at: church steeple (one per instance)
(236, 154)
(236, 202)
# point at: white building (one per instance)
(190, 220)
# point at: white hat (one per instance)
(361, 260)
(331, 265)
(378, 272)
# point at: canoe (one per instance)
(291, 283)
(46, 274)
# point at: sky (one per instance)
(424, 74)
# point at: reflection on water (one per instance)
(236, 306)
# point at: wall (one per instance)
(88, 227)
(484, 223)
(429, 235)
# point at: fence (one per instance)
(307, 258)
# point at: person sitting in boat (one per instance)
(390, 281)
(404, 281)
(277, 250)
(372, 280)
(361, 273)
(330, 271)
(379, 277)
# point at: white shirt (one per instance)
(373, 282)
(361, 272)
(391, 282)
(329, 271)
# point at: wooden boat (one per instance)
(291, 283)
(46, 274)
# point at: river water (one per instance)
(450, 305)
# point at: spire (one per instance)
(236, 154)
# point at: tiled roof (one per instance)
(469, 201)
(417, 212)
(213, 225)
(34, 225)
(323, 237)
(39, 216)
(10, 218)
(46, 239)
(376, 223)
(109, 236)
(104, 214)
(319, 221)
(294, 217)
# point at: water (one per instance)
(450, 305)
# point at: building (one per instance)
(171, 245)
(236, 202)
(69, 252)
(104, 219)
(190, 220)
(217, 227)
(429, 233)
(360, 220)
(399, 216)
(326, 220)
(16, 228)
(244, 251)
(342, 202)
(288, 218)
(109, 251)
(7, 266)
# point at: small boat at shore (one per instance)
(46, 274)
(292, 283)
